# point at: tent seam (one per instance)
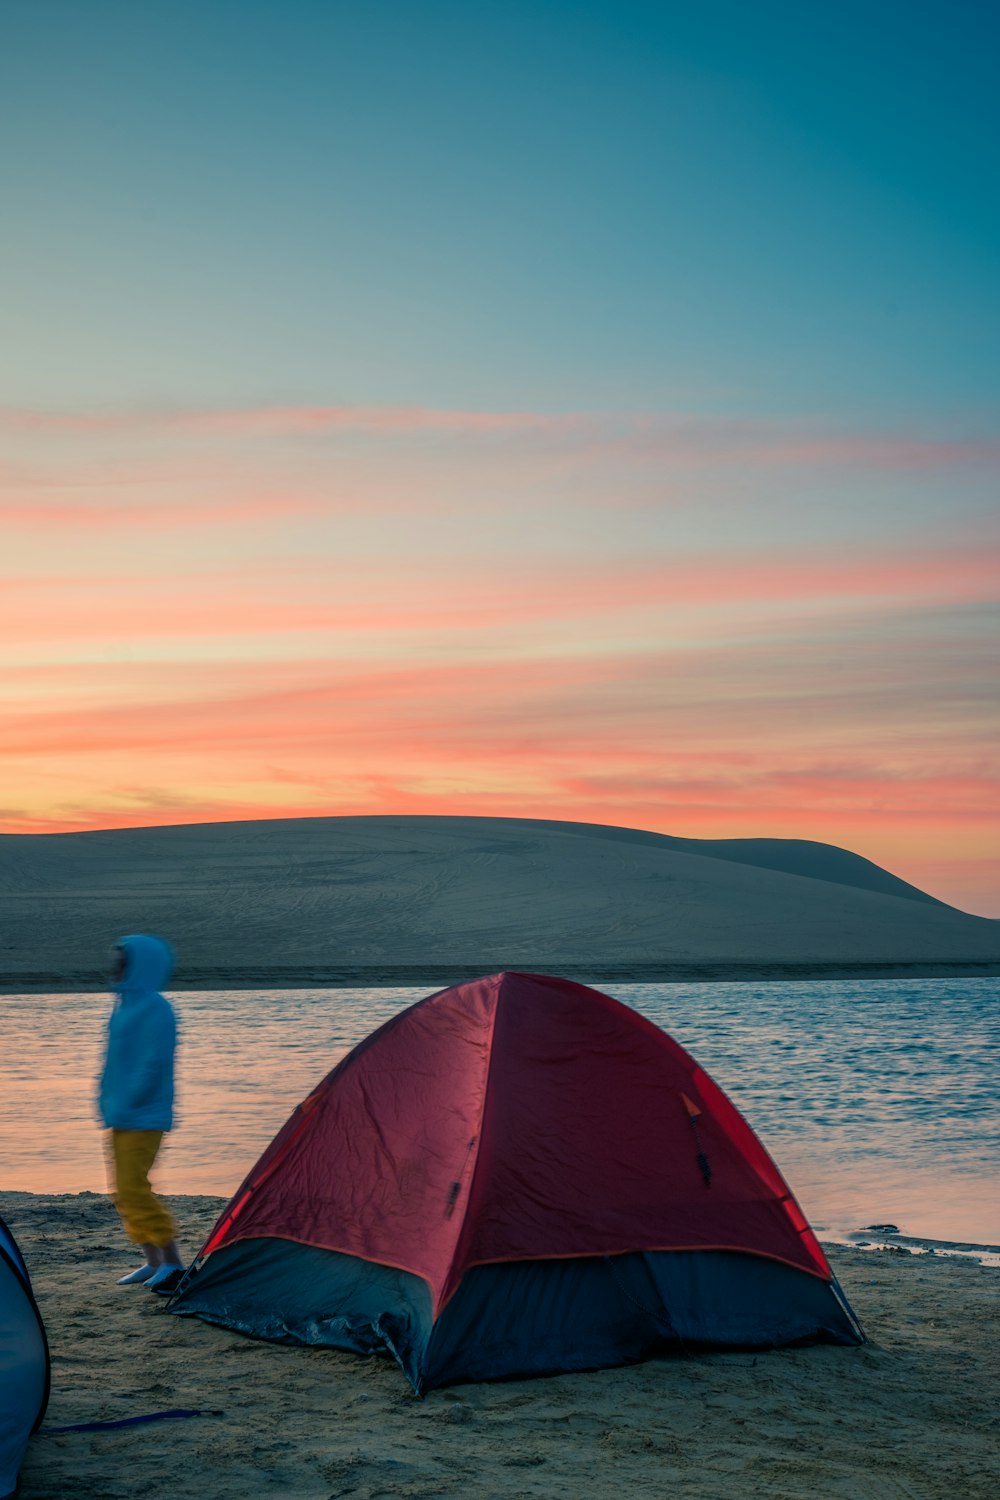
(513, 1260)
(439, 1305)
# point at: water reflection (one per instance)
(878, 1099)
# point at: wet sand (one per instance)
(912, 1415)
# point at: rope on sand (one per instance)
(154, 1416)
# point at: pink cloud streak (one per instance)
(163, 517)
(762, 443)
(292, 419)
(467, 597)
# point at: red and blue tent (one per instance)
(518, 1175)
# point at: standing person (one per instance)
(136, 1103)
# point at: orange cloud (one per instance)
(501, 646)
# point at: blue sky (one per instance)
(775, 209)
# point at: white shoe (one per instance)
(165, 1279)
(134, 1278)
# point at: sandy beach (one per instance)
(912, 1414)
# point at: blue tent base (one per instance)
(520, 1318)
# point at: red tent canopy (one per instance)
(518, 1117)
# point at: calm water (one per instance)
(880, 1100)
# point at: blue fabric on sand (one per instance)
(521, 1318)
(137, 1082)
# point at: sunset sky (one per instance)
(559, 410)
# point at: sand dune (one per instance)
(321, 898)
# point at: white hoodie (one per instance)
(137, 1081)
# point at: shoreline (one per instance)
(865, 1240)
(909, 1414)
(390, 976)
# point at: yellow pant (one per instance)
(130, 1157)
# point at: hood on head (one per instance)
(148, 961)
